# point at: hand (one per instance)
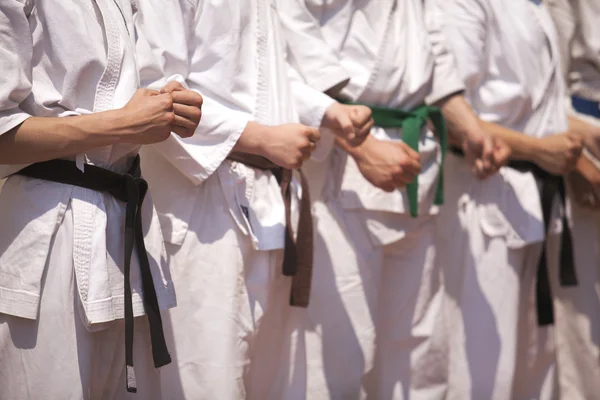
(187, 106)
(352, 123)
(289, 145)
(385, 164)
(584, 182)
(485, 153)
(558, 154)
(147, 117)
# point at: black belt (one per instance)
(131, 189)
(549, 186)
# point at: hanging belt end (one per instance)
(131, 383)
(300, 303)
(162, 359)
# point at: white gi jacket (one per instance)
(579, 32)
(515, 83)
(232, 53)
(395, 58)
(48, 71)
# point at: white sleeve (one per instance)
(311, 105)
(463, 23)
(169, 52)
(446, 79)
(563, 16)
(313, 66)
(309, 53)
(15, 63)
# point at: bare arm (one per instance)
(483, 151)
(147, 118)
(523, 147)
(460, 118)
(40, 139)
(557, 154)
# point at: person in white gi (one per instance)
(224, 221)
(68, 91)
(376, 288)
(508, 57)
(578, 308)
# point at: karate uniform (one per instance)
(376, 289)
(578, 308)
(491, 232)
(224, 221)
(62, 246)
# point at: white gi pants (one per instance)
(488, 301)
(577, 313)
(56, 358)
(372, 309)
(228, 332)
(577, 309)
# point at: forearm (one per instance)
(355, 151)
(251, 140)
(40, 139)
(523, 147)
(460, 118)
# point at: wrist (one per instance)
(358, 152)
(253, 139)
(535, 149)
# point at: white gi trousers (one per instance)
(372, 309)
(55, 357)
(577, 313)
(577, 309)
(488, 322)
(227, 334)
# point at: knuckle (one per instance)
(197, 114)
(304, 143)
(167, 102)
(396, 170)
(169, 117)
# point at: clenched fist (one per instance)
(147, 117)
(290, 145)
(385, 164)
(349, 122)
(287, 145)
(558, 154)
(584, 181)
(187, 106)
(485, 153)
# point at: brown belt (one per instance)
(298, 254)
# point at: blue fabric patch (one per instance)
(585, 106)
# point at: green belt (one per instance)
(411, 123)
